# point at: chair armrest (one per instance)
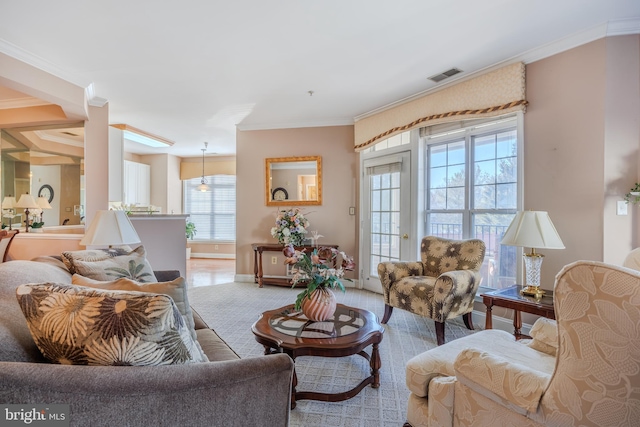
(513, 385)
(197, 394)
(391, 272)
(441, 395)
(453, 293)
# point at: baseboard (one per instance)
(210, 255)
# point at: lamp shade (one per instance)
(9, 202)
(532, 229)
(43, 203)
(27, 202)
(110, 228)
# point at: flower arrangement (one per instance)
(291, 226)
(318, 270)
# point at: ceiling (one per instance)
(191, 71)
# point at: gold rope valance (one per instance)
(496, 93)
(189, 170)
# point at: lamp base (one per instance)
(533, 291)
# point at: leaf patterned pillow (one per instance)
(176, 289)
(110, 264)
(83, 326)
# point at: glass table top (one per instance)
(344, 322)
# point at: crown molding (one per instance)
(35, 61)
(295, 125)
(92, 99)
(623, 27)
(611, 28)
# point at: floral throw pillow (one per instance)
(176, 289)
(83, 326)
(110, 264)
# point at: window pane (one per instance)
(213, 212)
(438, 199)
(506, 195)
(456, 153)
(500, 262)
(455, 198)
(485, 148)
(438, 156)
(438, 177)
(507, 170)
(448, 226)
(485, 172)
(484, 197)
(507, 144)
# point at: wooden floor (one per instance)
(207, 271)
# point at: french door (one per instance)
(386, 223)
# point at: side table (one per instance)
(512, 298)
(259, 248)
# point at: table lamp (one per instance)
(43, 204)
(532, 229)
(27, 202)
(109, 228)
(9, 202)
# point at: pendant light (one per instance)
(203, 187)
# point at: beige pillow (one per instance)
(176, 289)
(110, 264)
(83, 326)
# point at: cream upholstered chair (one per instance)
(581, 370)
(632, 260)
(441, 286)
(6, 237)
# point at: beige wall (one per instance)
(254, 219)
(580, 148)
(166, 187)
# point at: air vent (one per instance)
(444, 75)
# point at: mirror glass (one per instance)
(294, 181)
(45, 161)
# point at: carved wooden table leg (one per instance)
(259, 268)
(517, 324)
(375, 364)
(488, 323)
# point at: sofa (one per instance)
(226, 391)
(581, 370)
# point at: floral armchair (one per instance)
(441, 286)
(581, 370)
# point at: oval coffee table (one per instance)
(348, 332)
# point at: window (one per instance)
(213, 212)
(472, 192)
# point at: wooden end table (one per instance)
(512, 298)
(348, 332)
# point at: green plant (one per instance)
(633, 196)
(190, 230)
(318, 270)
(36, 224)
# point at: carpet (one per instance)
(232, 308)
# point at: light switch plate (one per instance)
(621, 208)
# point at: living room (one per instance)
(580, 133)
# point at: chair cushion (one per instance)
(439, 360)
(109, 264)
(78, 325)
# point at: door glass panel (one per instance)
(385, 223)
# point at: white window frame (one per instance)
(457, 132)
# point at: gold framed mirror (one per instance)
(293, 181)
